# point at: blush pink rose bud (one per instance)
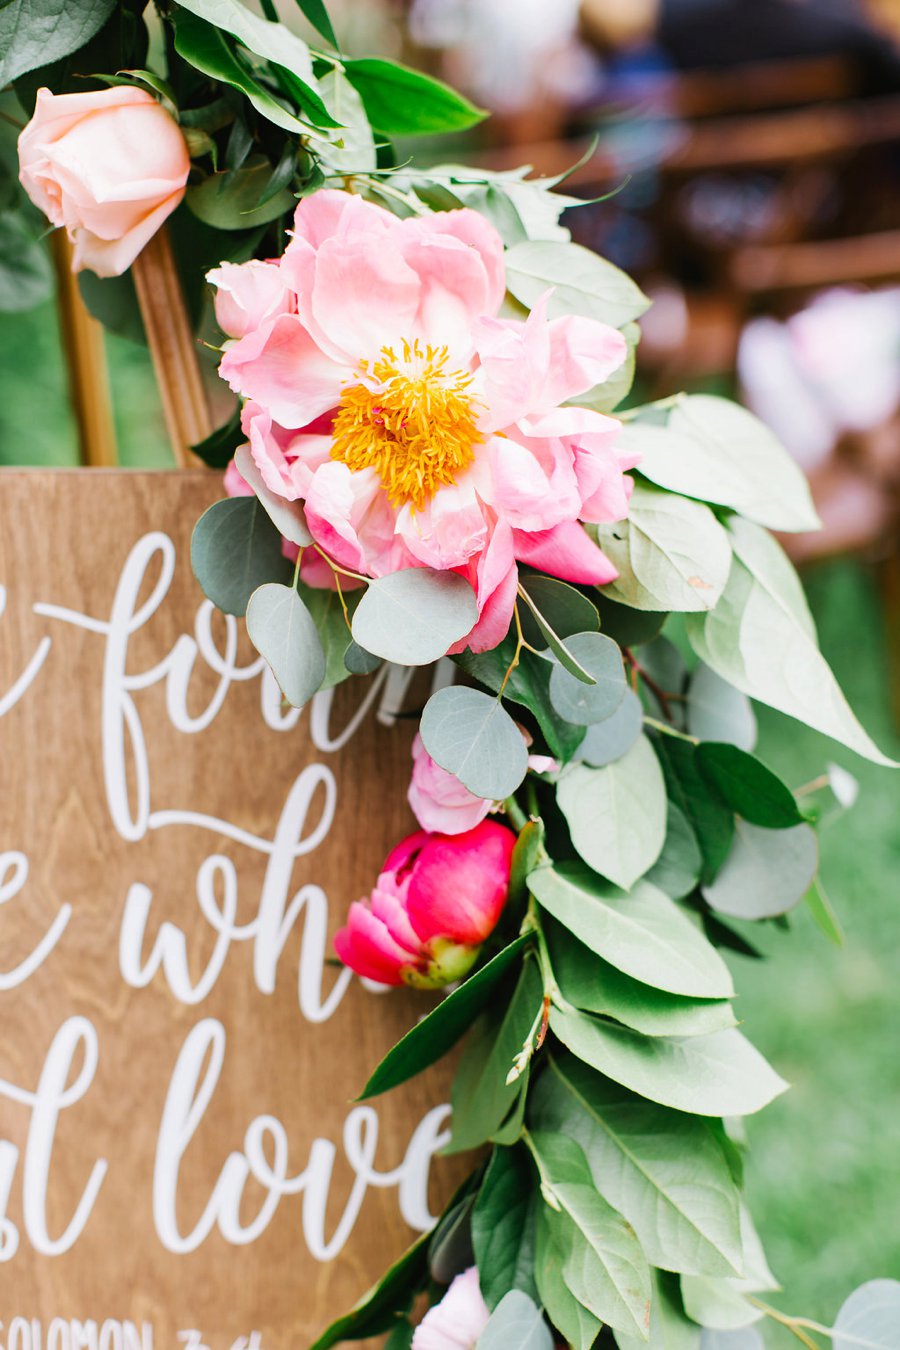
(458, 1320)
(109, 165)
(437, 898)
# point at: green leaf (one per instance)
(482, 1097)
(662, 1170)
(578, 1326)
(404, 102)
(742, 1338)
(760, 638)
(441, 1029)
(703, 808)
(670, 1329)
(516, 1321)
(450, 1249)
(378, 1310)
(822, 910)
(528, 686)
(472, 735)
(317, 14)
(413, 616)
(272, 41)
(716, 711)
(282, 630)
(617, 815)
(503, 1226)
(677, 869)
(555, 611)
(592, 984)
(717, 1075)
(606, 397)
(358, 661)
(581, 703)
(719, 452)
(220, 446)
(717, 1304)
(35, 33)
(671, 553)
(327, 614)
(644, 933)
(233, 200)
(401, 1337)
(205, 48)
(870, 1318)
(766, 873)
(525, 858)
(352, 149)
(26, 277)
(235, 549)
(287, 517)
(629, 627)
(604, 1267)
(582, 282)
(748, 787)
(607, 741)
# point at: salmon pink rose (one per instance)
(458, 1320)
(109, 165)
(420, 428)
(436, 900)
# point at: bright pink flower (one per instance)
(110, 165)
(436, 900)
(418, 427)
(249, 295)
(458, 1320)
(439, 801)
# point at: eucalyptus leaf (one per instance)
(592, 984)
(671, 553)
(503, 1226)
(617, 815)
(327, 614)
(352, 148)
(287, 517)
(233, 200)
(745, 1338)
(766, 873)
(35, 33)
(607, 741)
(282, 630)
(235, 549)
(404, 102)
(527, 685)
(604, 1267)
(358, 661)
(472, 735)
(582, 703)
(749, 788)
(516, 1321)
(677, 869)
(582, 282)
(717, 1075)
(662, 1170)
(560, 607)
(437, 1033)
(412, 616)
(760, 638)
(644, 933)
(716, 711)
(870, 1318)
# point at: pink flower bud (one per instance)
(437, 898)
(110, 165)
(248, 295)
(458, 1320)
(439, 801)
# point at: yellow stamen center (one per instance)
(412, 420)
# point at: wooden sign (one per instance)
(180, 1160)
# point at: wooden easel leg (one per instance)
(85, 357)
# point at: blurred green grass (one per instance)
(823, 1173)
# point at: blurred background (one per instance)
(741, 159)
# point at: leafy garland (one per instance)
(603, 1067)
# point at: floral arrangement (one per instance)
(430, 461)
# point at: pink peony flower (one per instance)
(439, 801)
(436, 900)
(458, 1320)
(109, 165)
(419, 428)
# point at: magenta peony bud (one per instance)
(436, 900)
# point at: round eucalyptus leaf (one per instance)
(472, 735)
(617, 814)
(281, 629)
(716, 711)
(584, 704)
(607, 741)
(360, 662)
(766, 873)
(235, 549)
(870, 1318)
(412, 617)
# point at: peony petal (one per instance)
(459, 885)
(283, 370)
(366, 946)
(248, 295)
(566, 552)
(456, 1323)
(448, 529)
(365, 296)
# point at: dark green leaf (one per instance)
(404, 102)
(235, 549)
(378, 1311)
(360, 662)
(328, 616)
(219, 446)
(748, 787)
(35, 33)
(503, 1224)
(450, 1251)
(441, 1029)
(629, 627)
(317, 15)
(26, 277)
(472, 735)
(552, 612)
(113, 301)
(234, 200)
(707, 814)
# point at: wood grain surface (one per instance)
(65, 537)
